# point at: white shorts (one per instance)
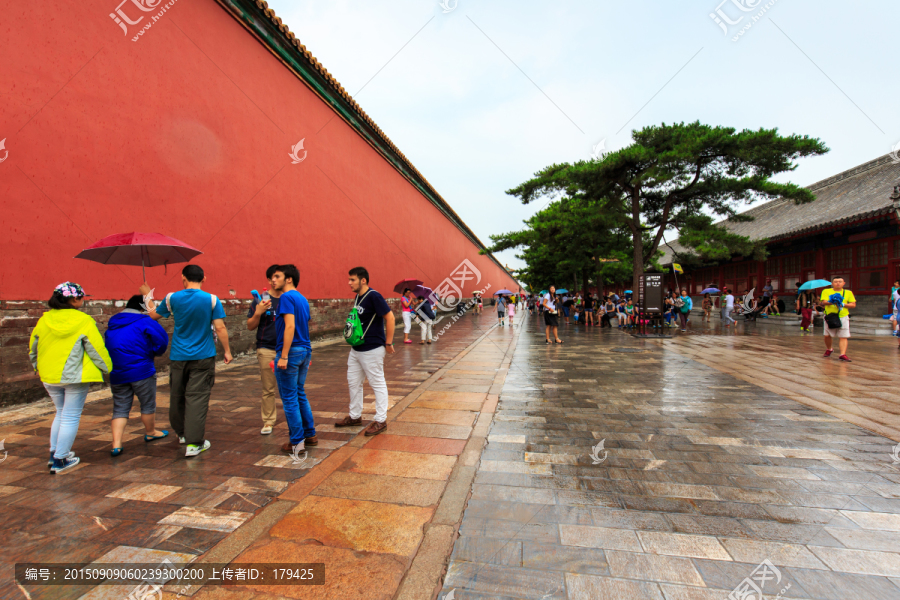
(843, 332)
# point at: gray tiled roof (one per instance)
(857, 193)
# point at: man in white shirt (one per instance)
(551, 317)
(728, 308)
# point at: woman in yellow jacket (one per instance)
(68, 353)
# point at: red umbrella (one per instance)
(406, 283)
(145, 249)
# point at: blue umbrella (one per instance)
(562, 291)
(543, 292)
(710, 290)
(627, 292)
(816, 283)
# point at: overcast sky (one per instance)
(482, 96)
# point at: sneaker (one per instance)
(375, 428)
(845, 358)
(312, 441)
(683, 330)
(50, 462)
(266, 430)
(827, 353)
(64, 464)
(194, 450)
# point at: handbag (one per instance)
(833, 320)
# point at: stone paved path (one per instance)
(151, 503)
(702, 476)
(715, 457)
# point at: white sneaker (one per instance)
(181, 440)
(266, 430)
(193, 450)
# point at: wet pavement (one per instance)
(622, 468)
(605, 467)
(151, 503)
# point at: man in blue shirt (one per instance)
(292, 354)
(366, 361)
(192, 371)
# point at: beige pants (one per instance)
(267, 376)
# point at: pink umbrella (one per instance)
(406, 283)
(145, 249)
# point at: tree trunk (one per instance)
(638, 263)
(638, 236)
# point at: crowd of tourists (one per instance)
(69, 354)
(832, 303)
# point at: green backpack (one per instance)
(353, 331)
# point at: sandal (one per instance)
(559, 341)
(115, 452)
(150, 438)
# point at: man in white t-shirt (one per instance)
(728, 308)
(551, 317)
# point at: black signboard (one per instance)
(651, 292)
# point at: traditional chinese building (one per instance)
(207, 121)
(851, 230)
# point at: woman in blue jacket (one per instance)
(133, 340)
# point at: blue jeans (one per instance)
(290, 385)
(69, 401)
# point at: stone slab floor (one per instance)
(704, 471)
(605, 467)
(360, 505)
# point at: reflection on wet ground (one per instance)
(707, 463)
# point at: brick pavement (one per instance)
(701, 476)
(706, 475)
(152, 503)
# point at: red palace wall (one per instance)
(187, 132)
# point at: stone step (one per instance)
(860, 325)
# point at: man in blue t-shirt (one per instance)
(261, 317)
(292, 355)
(192, 371)
(366, 361)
